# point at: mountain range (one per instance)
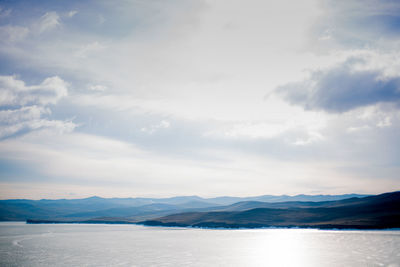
(372, 212)
(137, 209)
(317, 211)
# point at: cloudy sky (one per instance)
(207, 97)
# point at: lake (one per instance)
(132, 245)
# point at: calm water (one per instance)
(130, 245)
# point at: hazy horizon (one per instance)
(169, 98)
(178, 196)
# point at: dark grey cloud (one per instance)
(342, 88)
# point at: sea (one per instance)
(24, 244)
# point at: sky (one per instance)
(158, 98)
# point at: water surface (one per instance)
(131, 245)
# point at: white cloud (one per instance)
(23, 107)
(49, 21)
(11, 34)
(97, 87)
(110, 165)
(267, 129)
(156, 127)
(88, 49)
(385, 122)
(72, 13)
(377, 116)
(15, 92)
(312, 138)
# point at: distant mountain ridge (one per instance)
(134, 209)
(372, 212)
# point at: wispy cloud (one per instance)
(72, 13)
(5, 12)
(11, 34)
(356, 24)
(49, 21)
(153, 128)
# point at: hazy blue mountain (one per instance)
(283, 198)
(246, 205)
(124, 211)
(21, 210)
(373, 212)
(139, 208)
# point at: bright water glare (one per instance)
(131, 245)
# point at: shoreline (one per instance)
(289, 227)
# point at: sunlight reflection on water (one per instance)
(280, 247)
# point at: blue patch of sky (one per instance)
(14, 171)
